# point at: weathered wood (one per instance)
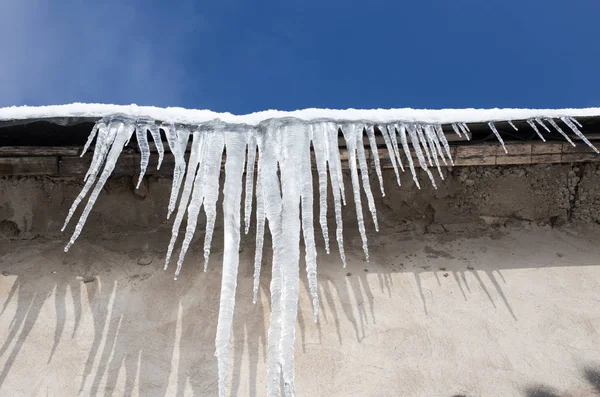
(28, 166)
(35, 151)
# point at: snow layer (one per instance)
(285, 144)
(189, 116)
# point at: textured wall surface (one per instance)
(487, 286)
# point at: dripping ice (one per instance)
(272, 161)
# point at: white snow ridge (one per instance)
(282, 182)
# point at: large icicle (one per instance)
(430, 136)
(560, 131)
(442, 137)
(532, 125)
(412, 132)
(260, 231)
(155, 132)
(235, 141)
(308, 231)
(364, 174)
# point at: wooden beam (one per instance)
(28, 166)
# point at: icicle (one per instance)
(423, 142)
(391, 151)
(329, 131)
(155, 132)
(375, 152)
(193, 166)
(122, 131)
(210, 158)
(392, 134)
(106, 137)
(177, 142)
(532, 125)
(456, 130)
(211, 191)
(412, 132)
(465, 129)
(142, 138)
(402, 133)
(512, 125)
(350, 137)
(541, 122)
(364, 174)
(250, 165)
(442, 137)
(293, 137)
(91, 138)
(574, 120)
(268, 147)
(319, 139)
(232, 195)
(308, 231)
(560, 131)
(430, 135)
(260, 232)
(495, 131)
(574, 128)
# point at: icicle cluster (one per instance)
(284, 197)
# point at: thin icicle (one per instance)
(513, 125)
(375, 153)
(155, 132)
(532, 125)
(412, 132)
(122, 132)
(211, 191)
(442, 137)
(392, 134)
(212, 153)
(250, 165)
(541, 122)
(319, 138)
(232, 195)
(391, 151)
(106, 137)
(574, 128)
(195, 162)
(364, 174)
(90, 138)
(350, 137)
(141, 132)
(495, 131)
(466, 130)
(177, 140)
(422, 140)
(402, 133)
(337, 183)
(456, 130)
(560, 131)
(574, 120)
(435, 149)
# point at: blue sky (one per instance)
(245, 56)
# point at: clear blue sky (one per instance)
(244, 56)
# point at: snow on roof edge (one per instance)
(192, 116)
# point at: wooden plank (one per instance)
(580, 157)
(546, 158)
(514, 149)
(33, 151)
(517, 159)
(546, 148)
(28, 165)
(475, 160)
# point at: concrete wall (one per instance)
(487, 286)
